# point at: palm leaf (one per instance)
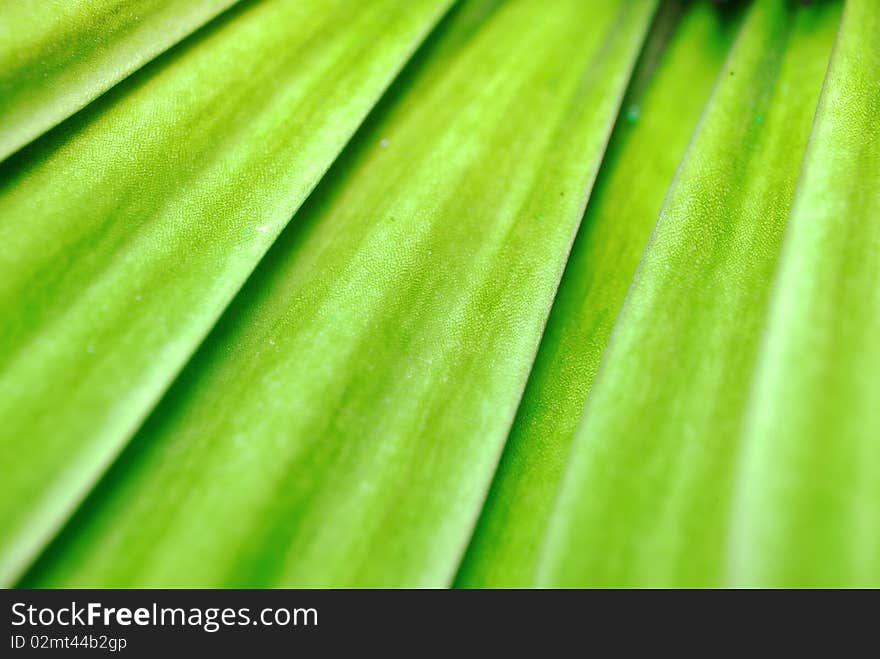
(291, 296)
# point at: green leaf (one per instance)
(669, 91)
(646, 498)
(342, 424)
(58, 55)
(127, 230)
(809, 507)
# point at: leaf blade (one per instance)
(351, 466)
(56, 57)
(680, 360)
(160, 199)
(655, 125)
(808, 487)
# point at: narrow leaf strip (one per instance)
(671, 85)
(343, 423)
(646, 499)
(809, 492)
(126, 232)
(58, 55)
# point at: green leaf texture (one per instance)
(127, 231)
(667, 96)
(809, 505)
(343, 422)
(58, 55)
(430, 293)
(646, 498)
